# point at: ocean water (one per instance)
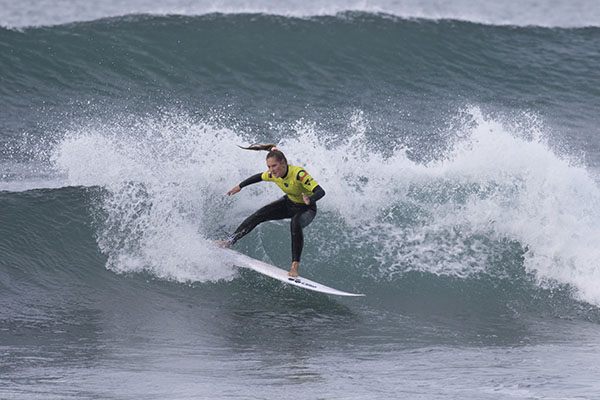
(458, 144)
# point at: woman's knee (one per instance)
(306, 218)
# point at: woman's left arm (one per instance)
(318, 193)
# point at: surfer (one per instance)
(298, 203)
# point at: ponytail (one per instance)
(271, 148)
(259, 146)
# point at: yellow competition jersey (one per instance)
(294, 183)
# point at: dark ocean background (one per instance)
(460, 161)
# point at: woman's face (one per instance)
(277, 168)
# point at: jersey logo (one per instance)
(301, 175)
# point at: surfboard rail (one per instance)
(241, 260)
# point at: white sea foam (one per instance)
(499, 182)
(556, 13)
(548, 203)
(159, 177)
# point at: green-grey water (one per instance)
(460, 161)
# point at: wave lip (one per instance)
(565, 14)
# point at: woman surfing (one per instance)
(298, 203)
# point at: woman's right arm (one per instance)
(253, 179)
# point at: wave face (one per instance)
(406, 75)
(458, 158)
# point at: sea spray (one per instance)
(498, 183)
(159, 177)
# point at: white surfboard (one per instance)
(241, 260)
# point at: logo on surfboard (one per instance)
(296, 280)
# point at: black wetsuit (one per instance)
(295, 182)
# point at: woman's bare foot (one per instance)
(294, 270)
